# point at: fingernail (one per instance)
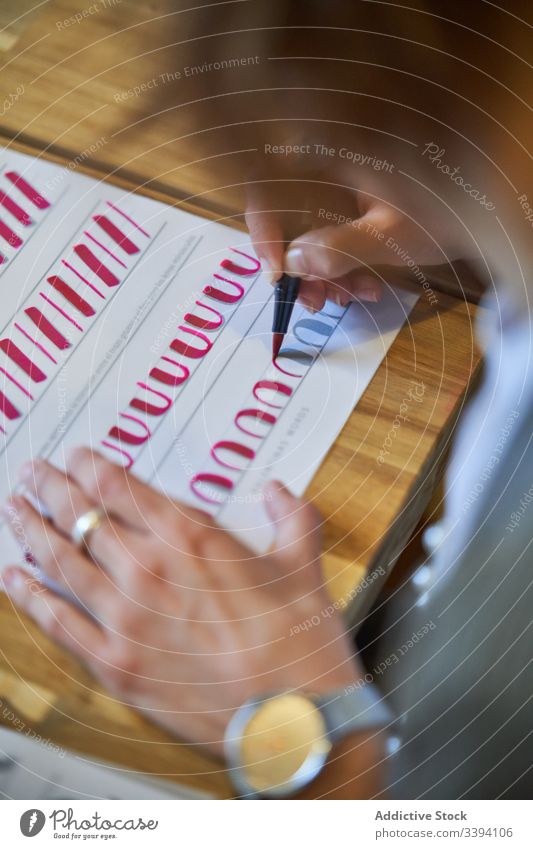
(275, 488)
(13, 582)
(29, 472)
(343, 298)
(307, 305)
(271, 275)
(273, 493)
(76, 455)
(368, 295)
(294, 261)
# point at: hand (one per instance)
(340, 262)
(173, 615)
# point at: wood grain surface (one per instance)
(71, 111)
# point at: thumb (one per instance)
(268, 240)
(298, 525)
(332, 252)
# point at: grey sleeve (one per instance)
(462, 686)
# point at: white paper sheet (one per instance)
(104, 378)
(32, 768)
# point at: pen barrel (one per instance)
(285, 295)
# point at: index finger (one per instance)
(266, 231)
(128, 498)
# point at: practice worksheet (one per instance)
(145, 332)
(32, 768)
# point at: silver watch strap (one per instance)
(353, 708)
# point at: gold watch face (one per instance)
(286, 735)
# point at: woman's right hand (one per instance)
(337, 262)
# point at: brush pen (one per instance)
(285, 295)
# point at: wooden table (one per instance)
(67, 111)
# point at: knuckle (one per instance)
(156, 570)
(313, 512)
(124, 617)
(79, 458)
(141, 565)
(393, 222)
(120, 665)
(197, 529)
(141, 577)
(55, 555)
(41, 474)
(321, 261)
(109, 480)
(311, 519)
(67, 510)
(52, 623)
(64, 518)
(114, 678)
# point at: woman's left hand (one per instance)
(170, 612)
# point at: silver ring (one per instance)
(84, 527)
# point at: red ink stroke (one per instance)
(222, 296)
(236, 447)
(15, 209)
(151, 409)
(167, 378)
(17, 384)
(215, 480)
(22, 361)
(37, 344)
(205, 323)
(95, 265)
(32, 194)
(126, 454)
(47, 328)
(127, 217)
(260, 415)
(191, 351)
(103, 247)
(61, 312)
(292, 353)
(84, 279)
(116, 234)
(71, 296)
(7, 408)
(10, 236)
(122, 435)
(229, 265)
(271, 385)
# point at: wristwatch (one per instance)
(278, 743)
